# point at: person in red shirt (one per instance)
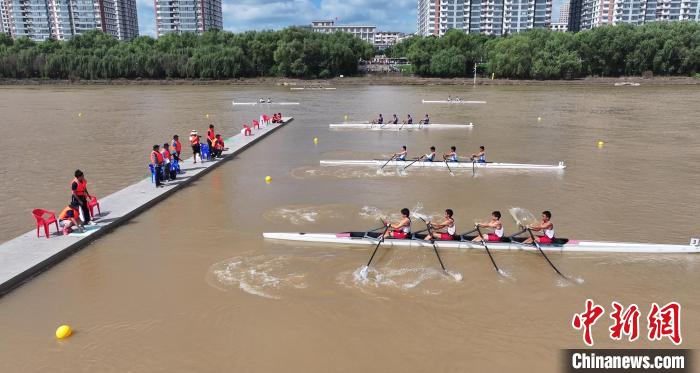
(176, 146)
(194, 141)
(211, 136)
(80, 195)
(218, 145)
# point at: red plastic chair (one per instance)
(92, 203)
(41, 221)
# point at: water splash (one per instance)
(261, 275)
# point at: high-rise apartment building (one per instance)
(587, 14)
(492, 17)
(364, 32)
(63, 19)
(195, 16)
(4, 18)
(564, 13)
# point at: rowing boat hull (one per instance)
(452, 102)
(347, 238)
(387, 126)
(264, 103)
(442, 165)
(312, 89)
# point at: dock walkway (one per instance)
(26, 256)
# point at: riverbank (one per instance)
(363, 81)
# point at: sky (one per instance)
(243, 15)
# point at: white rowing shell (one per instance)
(389, 126)
(441, 164)
(571, 245)
(452, 102)
(264, 103)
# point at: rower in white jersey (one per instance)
(430, 157)
(400, 229)
(480, 156)
(451, 156)
(400, 156)
(546, 227)
(495, 225)
(444, 231)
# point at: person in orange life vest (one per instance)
(194, 142)
(176, 146)
(168, 172)
(219, 145)
(80, 195)
(211, 136)
(157, 161)
(70, 218)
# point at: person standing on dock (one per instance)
(194, 142)
(80, 195)
(211, 136)
(168, 173)
(176, 146)
(157, 162)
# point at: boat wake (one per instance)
(303, 214)
(262, 275)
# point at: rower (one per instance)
(408, 120)
(261, 100)
(395, 120)
(449, 98)
(430, 157)
(451, 156)
(480, 156)
(269, 101)
(447, 229)
(425, 120)
(400, 156)
(495, 225)
(401, 229)
(546, 227)
(379, 120)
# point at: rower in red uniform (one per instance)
(402, 229)
(546, 227)
(444, 231)
(497, 227)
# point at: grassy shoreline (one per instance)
(359, 80)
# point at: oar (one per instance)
(430, 232)
(414, 161)
(381, 239)
(387, 162)
(473, 167)
(449, 169)
(483, 242)
(537, 245)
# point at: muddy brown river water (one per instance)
(191, 285)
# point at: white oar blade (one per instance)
(421, 216)
(522, 216)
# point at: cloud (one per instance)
(244, 15)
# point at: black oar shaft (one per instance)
(537, 245)
(381, 239)
(483, 242)
(387, 162)
(431, 232)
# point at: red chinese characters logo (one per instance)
(663, 322)
(625, 322)
(587, 319)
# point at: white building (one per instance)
(195, 16)
(564, 13)
(595, 13)
(385, 39)
(4, 18)
(366, 33)
(491, 17)
(559, 26)
(63, 19)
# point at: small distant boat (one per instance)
(627, 84)
(311, 88)
(455, 101)
(399, 126)
(263, 103)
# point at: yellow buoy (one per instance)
(80, 115)
(63, 331)
(346, 117)
(268, 179)
(600, 143)
(207, 115)
(315, 140)
(539, 119)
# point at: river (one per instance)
(191, 285)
